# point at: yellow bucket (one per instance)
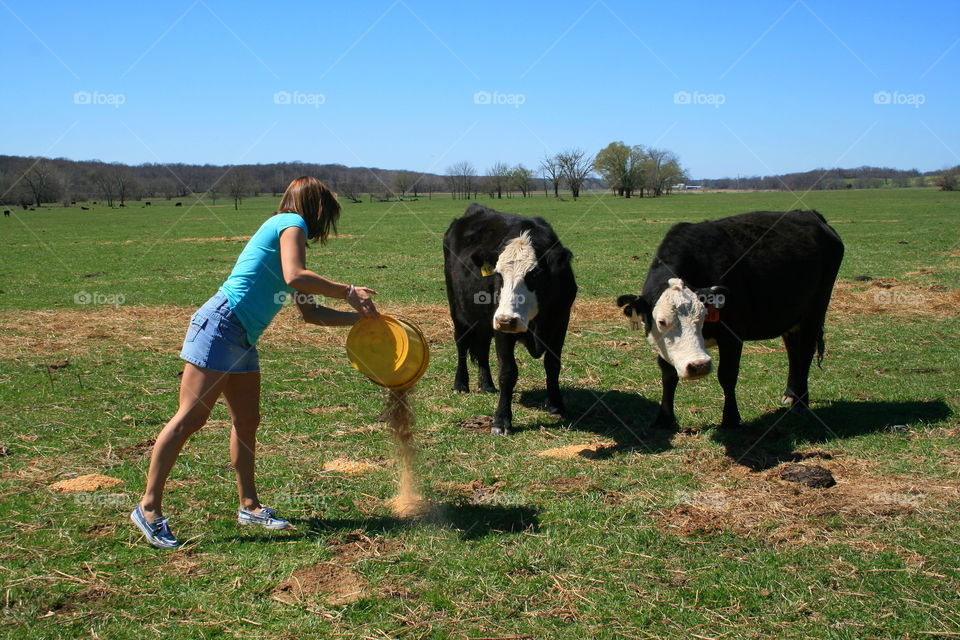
(390, 351)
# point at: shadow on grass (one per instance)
(624, 417)
(470, 521)
(772, 439)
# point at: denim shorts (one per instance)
(216, 340)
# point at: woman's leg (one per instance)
(199, 390)
(242, 395)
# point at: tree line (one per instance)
(864, 177)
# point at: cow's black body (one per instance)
(474, 240)
(778, 270)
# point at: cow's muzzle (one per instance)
(507, 324)
(697, 369)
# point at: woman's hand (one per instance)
(359, 298)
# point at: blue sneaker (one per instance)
(265, 519)
(157, 533)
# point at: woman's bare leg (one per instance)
(199, 390)
(242, 395)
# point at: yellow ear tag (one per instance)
(487, 269)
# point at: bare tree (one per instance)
(550, 168)
(123, 182)
(575, 166)
(237, 183)
(39, 178)
(462, 178)
(948, 180)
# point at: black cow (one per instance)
(179, 204)
(753, 276)
(6, 213)
(509, 278)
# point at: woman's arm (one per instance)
(325, 316)
(293, 257)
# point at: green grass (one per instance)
(562, 548)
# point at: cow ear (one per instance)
(564, 257)
(716, 297)
(484, 261)
(631, 303)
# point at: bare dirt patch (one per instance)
(327, 583)
(90, 482)
(477, 423)
(763, 505)
(588, 451)
(355, 546)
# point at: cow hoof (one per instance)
(488, 389)
(556, 411)
(461, 388)
(499, 431)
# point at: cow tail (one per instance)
(820, 347)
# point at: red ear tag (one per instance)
(713, 314)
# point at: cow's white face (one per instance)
(677, 330)
(517, 305)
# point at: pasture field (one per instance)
(687, 533)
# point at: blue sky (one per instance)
(733, 88)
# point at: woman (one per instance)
(220, 352)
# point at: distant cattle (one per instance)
(146, 204)
(753, 276)
(122, 205)
(508, 278)
(6, 213)
(85, 208)
(179, 204)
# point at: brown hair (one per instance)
(316, 203)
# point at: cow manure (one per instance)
(903, 242)
(863, 278)
(477, 423)
(807, 474)
(94, 275)
(59, 364)
(4, 451)
(136, 449)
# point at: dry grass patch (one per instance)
(893, 297)
(587, 451)
(89, 482)
(762, 505)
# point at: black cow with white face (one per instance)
(509, 279)
(753, 276)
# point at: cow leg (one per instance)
(482, 356)
(461, 380)
(551, 365)
(668, 380)
(507, 364)
(729, 352)
(801, 345)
